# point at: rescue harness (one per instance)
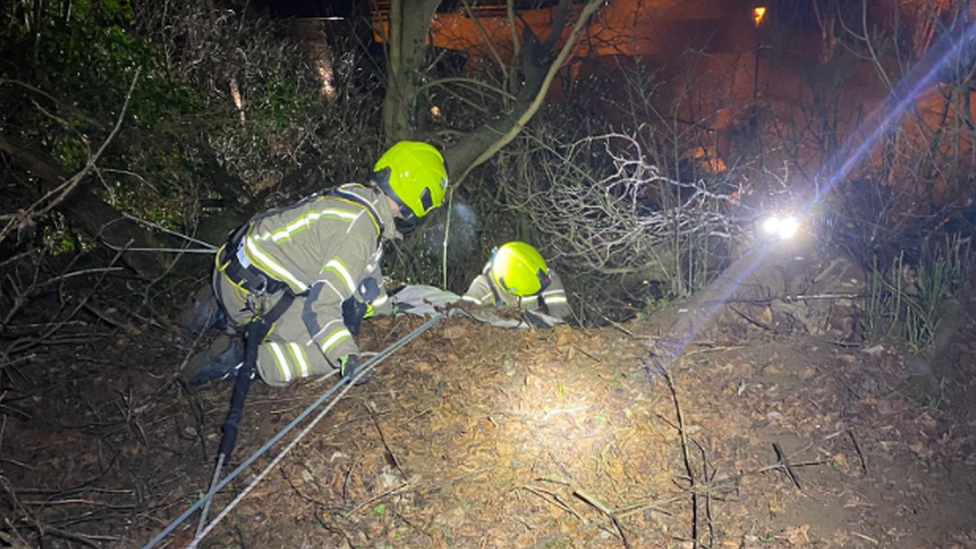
(233, 264)
(258, 283)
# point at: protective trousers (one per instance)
(287, 352)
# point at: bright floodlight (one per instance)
(782, 228)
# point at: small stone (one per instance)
(869, 384)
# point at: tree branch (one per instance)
(56, 195)
(533, 107)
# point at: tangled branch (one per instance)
(603, 206)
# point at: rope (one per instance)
(274, 463)
(368, 365)
(210, 251)
(170, 231)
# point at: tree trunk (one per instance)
(406, 46)
(86, 211)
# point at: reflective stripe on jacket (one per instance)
(483, 291)
(325, 246)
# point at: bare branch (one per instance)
(470, 81)
(616, 219)
(56, 195)
(527, 115)
(488, 41)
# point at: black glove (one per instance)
(369, 289)
(349, 367)
(353, 312)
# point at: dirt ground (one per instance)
(474, 437)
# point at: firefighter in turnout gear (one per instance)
(312, 270)
(517, 276)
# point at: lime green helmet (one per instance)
(414, 176)
(518, 269)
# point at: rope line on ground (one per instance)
(274, 463)
(368, 365)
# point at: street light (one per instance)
(758, 15)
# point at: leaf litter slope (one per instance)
(478, 437)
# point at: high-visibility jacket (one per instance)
(323, 248)
(551, 301)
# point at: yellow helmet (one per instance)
(518, 269)
(414, 176)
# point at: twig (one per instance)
(785, 462)
(554, 497)
(656, 503)
(618, 326)
(206, 251)
(708, 495)
(332, 528)
(386, 445)
(88, 296)
(82, 272)
(751, 320)
(345, 481)
(17, 257)
(74, 113)
(78, 501)
(57, 195)
(866, 538)
(595, 359)
(406, 488)
(619, 513)
(684, 453)
(90, 541)
(19, 543)
(23, 344)
(487, 40)
(568, 46)
(717, 349)
(606, 511)
(786, 299)
(860, 455)
(17, 505)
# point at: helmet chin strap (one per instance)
(544, 281)
(407, 222)
(490, 271)
(406, 225)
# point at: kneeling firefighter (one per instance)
(311, 271)
(517, 276)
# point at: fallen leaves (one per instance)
(797, 536)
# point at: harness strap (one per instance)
(256, 281)
(248, 277)
(360, 201)
(279, 308)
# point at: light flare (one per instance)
(781, 227)
(882, 120)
